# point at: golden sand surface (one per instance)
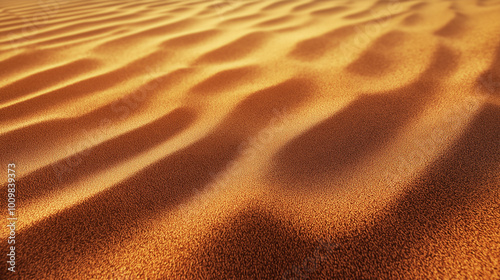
(251, 139)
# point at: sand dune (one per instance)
(251, 139)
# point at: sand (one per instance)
(242, 139)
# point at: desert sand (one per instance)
(251, 139)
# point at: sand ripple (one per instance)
(229, 139)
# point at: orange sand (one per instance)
(242, 139)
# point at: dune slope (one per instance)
(251, 139)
